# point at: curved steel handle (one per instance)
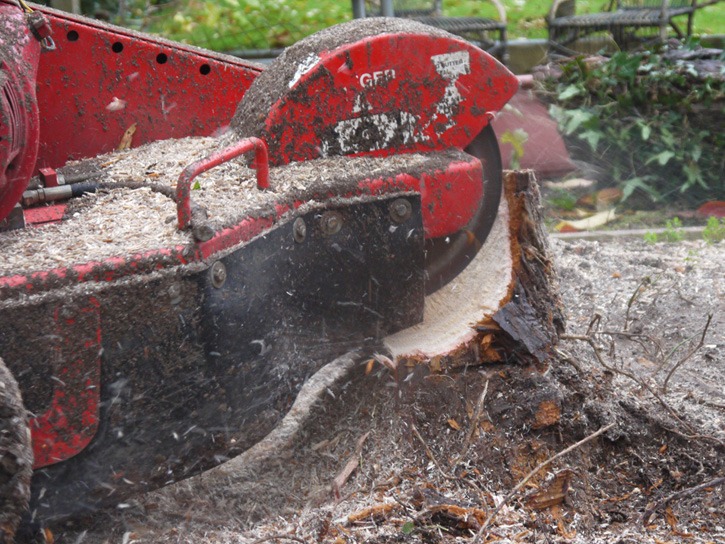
(183, 187)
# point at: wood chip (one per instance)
(375, 512)
(552, 494)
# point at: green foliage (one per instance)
(264, 24)
(408, 527)
(517, 138)
(650, 237)
(653, 123)
(246, 24)
(714, 230)
(673, 230)
(562, 200)
(673, 233)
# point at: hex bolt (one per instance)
(299, 230)
(400, 210)
(218, 274)
(331, 223)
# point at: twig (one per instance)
(429, 453)
(279, 537)
(693, 435)
(589, 340)
(689, 354)
(566, 358)
(709, 403)
(474, 422)
(639, 338)
(530, 475)
(679, 495)
(349, 467)
(645, 281)
(594, 324)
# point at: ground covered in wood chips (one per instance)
(375, 455)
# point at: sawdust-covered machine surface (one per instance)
(187, 237)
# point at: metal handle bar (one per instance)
(183, 187)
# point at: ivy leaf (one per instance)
(592, 137)
(640, 183)
(558, 114)
(667, 138)
(517, 139)
(645, 131)
(694, 176)
(570, 92)
(661, 158)
(576, 119)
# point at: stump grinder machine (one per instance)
(186, 237)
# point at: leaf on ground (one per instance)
(714, 208)
(375, 512)
(454, 424)
(573, 183)
(601, 200)
(453, 515)
(561, 524)
(590, 223)
(127, 138)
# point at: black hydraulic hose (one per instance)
(201, 227)
(80, 188)
(37, 182)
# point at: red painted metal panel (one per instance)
(44, 214)
(101, 80)
(71, 421)
(387, 94)
(19, 54)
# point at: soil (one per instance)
(376, 455)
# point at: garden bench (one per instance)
(488, 34)
(626, 22)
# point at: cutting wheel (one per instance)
(365, 74)
(447, 256)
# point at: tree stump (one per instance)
(505, 306)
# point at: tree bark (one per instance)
(533, 318)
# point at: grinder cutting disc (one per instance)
(447, 256)
(386, 87)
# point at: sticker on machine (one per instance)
(307, 64)
(452, 65)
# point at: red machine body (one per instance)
(99, 83)
(388, 90)
(102, 80)
(19, 55)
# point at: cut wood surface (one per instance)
(505, 303)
